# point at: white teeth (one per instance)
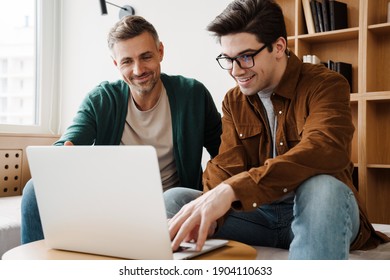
(244, 80)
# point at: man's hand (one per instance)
(68, 143)
(197, 219)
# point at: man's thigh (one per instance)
(268, 225)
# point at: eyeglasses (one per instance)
(245, 61)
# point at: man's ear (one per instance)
(280, 46)
(114, 61)
(161, 51)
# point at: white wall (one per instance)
(189, 49)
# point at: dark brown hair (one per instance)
(262, 18)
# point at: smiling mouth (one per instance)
(244, 80)
(141, 79)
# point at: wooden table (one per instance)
(39, 251)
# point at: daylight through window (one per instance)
(18, 63)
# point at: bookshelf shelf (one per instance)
(380, 29)
(331, 36)
(383, 166)
(379, 96)
(366, 45)
(356, 97)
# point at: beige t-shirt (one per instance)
(153, 127)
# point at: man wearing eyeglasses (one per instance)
(282, 177)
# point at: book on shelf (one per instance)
(325, 15)
(308, 17)
(313, 59)
(306, 58)
(338, 15)
(343, 68)
(319, 15)
(330, 65)
(388, 11)
(313, 10)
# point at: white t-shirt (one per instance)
(153, 127)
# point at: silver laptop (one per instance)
(104, 200)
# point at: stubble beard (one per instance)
(144, 88)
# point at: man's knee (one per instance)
(28, 197)
(181, 194)
(322, 187)
(323, 195)
(176, 198)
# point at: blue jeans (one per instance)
(31, 227)
(319, 223)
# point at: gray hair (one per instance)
(129, 27)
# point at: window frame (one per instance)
(48, 52)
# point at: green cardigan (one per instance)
(196, 123)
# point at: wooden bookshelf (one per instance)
(366, 45)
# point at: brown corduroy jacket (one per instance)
(314, 135)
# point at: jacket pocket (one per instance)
(246, 132)
(251, 139)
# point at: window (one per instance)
(29, 36)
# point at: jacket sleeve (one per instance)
(231, 159)
(82, 131)
(101, 116)
(213, 126)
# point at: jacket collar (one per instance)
(289, 81)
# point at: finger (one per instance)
(193, 235)
(176, 222)
(184, 233)
(68, 143)
(181, 233)
(204, 229)
(212, 229)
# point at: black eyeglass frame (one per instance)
(232, 59)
